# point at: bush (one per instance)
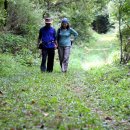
(126, 32)
(26, 57)
(101, 24)
(8, 66)
(11, 43)
(2, 14)
(24, 17)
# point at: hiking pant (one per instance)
(64, 53)
(47, 55)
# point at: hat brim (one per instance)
(48, 22)
(64, 22)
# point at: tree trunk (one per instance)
(120, 34)
(5, 7)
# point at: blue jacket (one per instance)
(47, 35)
(64, 36)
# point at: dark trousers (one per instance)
(47, 56)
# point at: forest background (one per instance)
(95, 69)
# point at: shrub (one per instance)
(101, 24)
(26, 57)
(24, 17)
(11, 43)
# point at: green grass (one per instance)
(82, 99)
(110, 86)
(31, 99)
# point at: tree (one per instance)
(122, 13)
(5, 8)
(23, 17)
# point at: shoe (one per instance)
(49, 71)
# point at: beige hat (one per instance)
(48, 20)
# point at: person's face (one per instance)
(64, 25)
(48, 24)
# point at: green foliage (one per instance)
(82, 14)
(125, 18)
(12, 43)
(121, 11)
(123, 7)
(23, 49)
(24, 17)
(126, 33)
(3, 13)
(26, 57)
(51, 104)
(111, 87)
(101, 24)
(2, 17)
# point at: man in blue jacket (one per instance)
(47, 40)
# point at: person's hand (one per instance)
(56, 46)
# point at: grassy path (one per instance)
(101, 51)
(44, 100)
(97, 99)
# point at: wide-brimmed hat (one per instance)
(48, 20)
(65, 20)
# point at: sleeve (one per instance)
(74, 33)
(40, 34)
